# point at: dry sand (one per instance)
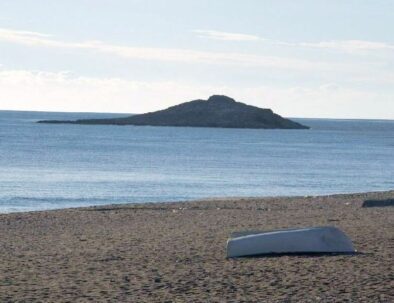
(176, 253)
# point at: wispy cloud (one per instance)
(26, 38)
(343, 46)
(226, 36)
(33, 39)
(350, 46)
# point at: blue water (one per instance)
(55, 166)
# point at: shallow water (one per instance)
(44, 166)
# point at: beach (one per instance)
(176, 252)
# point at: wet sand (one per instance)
(175, 252)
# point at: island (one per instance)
(217, 111)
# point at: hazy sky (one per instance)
(304, 58)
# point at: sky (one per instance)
(304, 58)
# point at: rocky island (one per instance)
(217, 111)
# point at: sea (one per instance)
(53, 166)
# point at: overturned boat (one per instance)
(326, 239)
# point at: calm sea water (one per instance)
(55, 166)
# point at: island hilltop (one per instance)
(217, 111)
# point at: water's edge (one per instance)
(176, 204)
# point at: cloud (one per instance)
(189, 56)
(350, 46)
(225, 36)
(14, 34)
(344, 46)
(63, 91)
(178, 55)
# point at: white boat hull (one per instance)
(326, 239)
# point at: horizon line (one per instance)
(127, 113)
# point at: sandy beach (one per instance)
(175, 252)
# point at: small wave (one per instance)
(54, 200)
(23, 204)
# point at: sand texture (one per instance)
(175, 252)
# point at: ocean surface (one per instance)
(45, 166)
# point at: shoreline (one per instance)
(204, 199)
(175, 251)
